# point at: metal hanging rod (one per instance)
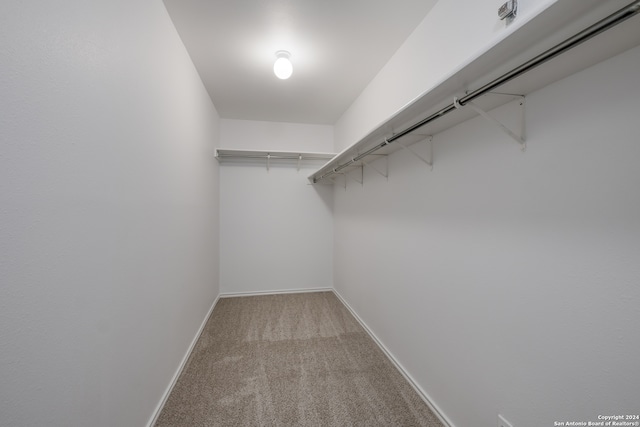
(584, 35)
(272, 155)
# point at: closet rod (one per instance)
(584, 35)
(272, 157)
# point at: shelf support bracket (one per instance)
(361, 181)
(299, 159)
(268, 161)
(386, 164)
(332, 179)
(427, 161)
(520, 139)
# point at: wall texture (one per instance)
(506, 282)
(276, 230)
(259, 135)
(108, 210)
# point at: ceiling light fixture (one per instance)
(282, 67)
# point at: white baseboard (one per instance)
(434, 408)
(172, 384)
(274, 292)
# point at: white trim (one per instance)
(169, 389)
(434, 408)
(274, 292)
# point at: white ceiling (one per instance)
(337, 47)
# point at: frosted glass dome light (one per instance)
(282, 67)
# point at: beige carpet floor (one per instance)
(290, 360)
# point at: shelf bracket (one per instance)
(268, 161)
(386, 165)
(332, 179)
(299, 159)
(520, 139)
(427, 161)
(361, 182)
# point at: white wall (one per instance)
(108, 210)
(276, 230)
(259, 135)
(506, 281)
